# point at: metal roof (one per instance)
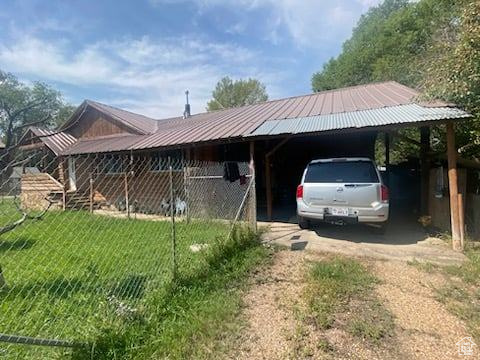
(401, 114)
(55, 141)
(143, 124)
(375, 104)
(103, 144)
(2, 145)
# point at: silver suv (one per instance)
(341, 191)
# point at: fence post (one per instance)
(186, 184)
(91, 193)
(172, 216)
(127, 204)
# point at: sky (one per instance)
(141, 55)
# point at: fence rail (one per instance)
(88, 240)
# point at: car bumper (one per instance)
(375, 214)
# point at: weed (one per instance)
(341, 286)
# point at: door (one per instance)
(72, 177)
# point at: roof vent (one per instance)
(186, 112)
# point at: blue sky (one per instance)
(141, 55)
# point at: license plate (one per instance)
(340, 211)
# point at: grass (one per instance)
(339, 286)
(461, 292)
(108, 282)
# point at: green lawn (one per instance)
(72, 272)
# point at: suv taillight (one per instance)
(300, 192)
(384, 193)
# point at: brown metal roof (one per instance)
(119, 142)
(55, 141)
(141, 123)
(243, 121)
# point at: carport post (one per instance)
(268, 185)
(253, 195)
(387, 157)
(425, 168)
(268, 176)
(453, 186)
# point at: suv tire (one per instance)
(381, 229)
(303, 223)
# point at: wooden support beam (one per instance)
(268, 186)
(268, 176)
(253, 195)
(453, 186)
(387, 158)
(425, 169)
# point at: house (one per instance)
(280, 136)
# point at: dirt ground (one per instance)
(275, 328)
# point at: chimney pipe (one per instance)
(186, 112)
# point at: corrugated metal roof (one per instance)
(104, 144)
(401, 114)
(143, 124)
(334, 109)
(55, 141)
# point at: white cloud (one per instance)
(142, 75)
(311, 23)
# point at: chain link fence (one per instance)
(85, 240)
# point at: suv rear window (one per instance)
(341, 172)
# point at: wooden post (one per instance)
(64, 198)
(172, 216)
(268, 186)
(461, 218)
(253, 195)
(425, 169)
(387, 158)
(268, 176)
(127, 204)
(91, 193)
(453, 186)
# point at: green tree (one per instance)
(22, 106)
(431, 45)
(453, 70)
(229, 93)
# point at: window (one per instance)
(159, 160)
(112, 164)
(341, 172)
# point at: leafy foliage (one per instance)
(433, 45)
(229, 93)
(22, 106)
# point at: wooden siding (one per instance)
(95, 124)
(35, 188)
(146, 188)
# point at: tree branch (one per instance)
(24, 217)
(28, 107)
(32, 123)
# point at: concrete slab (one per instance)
(404, 242)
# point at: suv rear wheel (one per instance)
(303, 223)
(380, 229)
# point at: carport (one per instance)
(283, 146)
(280, 137)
